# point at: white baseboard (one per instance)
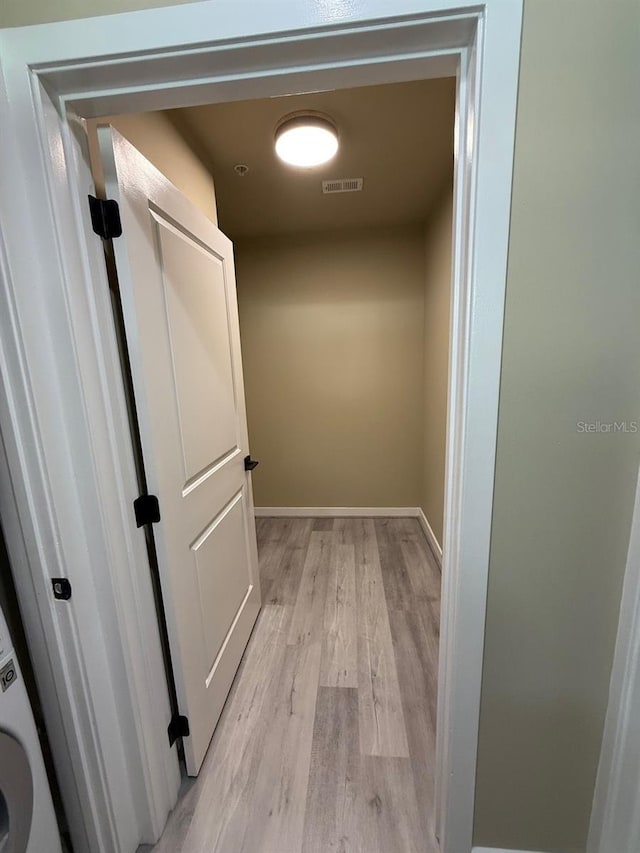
(356, 512)
(433, 544)
(497, 850)
(337, 511)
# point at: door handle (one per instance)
(249, 463)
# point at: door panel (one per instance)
(218, 551)
(177, 287)
(198, 325)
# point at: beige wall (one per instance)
(331, 327)
(437, 298)
(563, 500)
(164, 144)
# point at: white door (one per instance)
(177, 283)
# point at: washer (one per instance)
(27, 820)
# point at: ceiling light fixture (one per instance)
(306, 139)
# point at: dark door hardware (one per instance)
(250, 464)
(147, 510)
(105, 217)
(61, 588)
(178, 727)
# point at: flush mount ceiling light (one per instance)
(306, 139)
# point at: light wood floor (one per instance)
(327, 741)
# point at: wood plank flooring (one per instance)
(327, 740)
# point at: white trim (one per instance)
(497, 850)
(615, 816)
(356, 512)
(62, 410)
(337, 511)
(430, 536)
(45, 669)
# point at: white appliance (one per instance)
(27, 820)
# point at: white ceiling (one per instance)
(398, 137)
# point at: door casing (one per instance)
(615, 815)
(69, 474)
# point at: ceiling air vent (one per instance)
(343, 185)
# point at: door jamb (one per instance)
(63, 405)
(615, 816)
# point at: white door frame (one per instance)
(62, 406)
(615, 816)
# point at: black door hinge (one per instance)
(178, 727)
(147, 510)
(105, 217)
(61, 588)
(250, 464)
